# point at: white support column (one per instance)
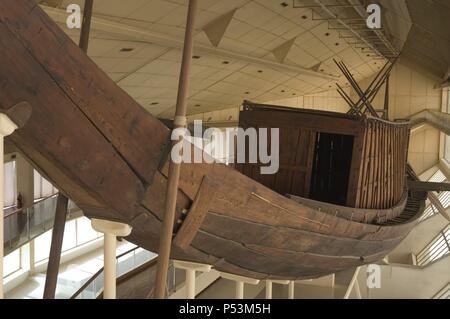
(239, 290)
(190, 284)
(110, 230)
(6, 128)
(268, 289)
(109, 259)
(32, 256)
(190, 269)
(358, 290)
(352, 283)
(291, 292)
(269, 286)
(240, 281)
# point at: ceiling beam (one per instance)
(166, 40)
(348, 27)
(434, 200)
(381, 36)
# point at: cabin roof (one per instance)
(251, 106)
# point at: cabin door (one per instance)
(331, 168)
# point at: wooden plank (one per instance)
(428, 186)
(369, 163)
(51, 279)
(249, 258)
(62, 202)
(354, 190)
(437, 203)
(310, 158)
(384, 170)
(385, 154)
(365, 168)
(376, 190)
(380, 166)
(292, 239)
(196, 214)
(371, 173)
(295, 160)
(314, 122)
(130, 129)
(365, 215)
(58, 134)
(389, 169)
(394, 163)
(19, 113)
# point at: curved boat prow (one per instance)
(109, 155)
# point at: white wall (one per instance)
(325, 101)
(409, 93)
(408, 282)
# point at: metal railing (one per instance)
(28, 223)
(444, 293)
(24, 225)
(444, 197)
(126, 262)
(438, 248)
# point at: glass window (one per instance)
(76, 233)
(447, 138)
(85, 233)
(42, 246)
(11, 263)
(70, 236)
(42, 187)
(10, 189)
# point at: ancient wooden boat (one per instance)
(339, 200)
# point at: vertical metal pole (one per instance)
(165, 241)
(86, 26)
(386, 99)
(54, 259)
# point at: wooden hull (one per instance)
(250, 230)
(109, 155)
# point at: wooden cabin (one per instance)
(332, 157)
